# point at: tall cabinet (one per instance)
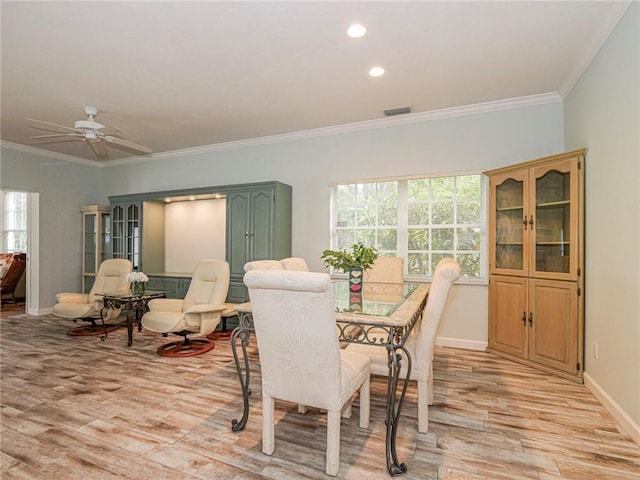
(536, 272)
(258, 228)
(96, 242)
(138, 233)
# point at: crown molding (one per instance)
(405, 119)
(445, 113)
(46, 153)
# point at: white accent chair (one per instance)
(422, 340)
(385, 270)
(110, 278)
(301, 361)
(194, 317)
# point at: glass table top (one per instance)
(378, 299)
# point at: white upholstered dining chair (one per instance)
(295, 263)
(301, 361)
(385, 270)
(421, 342)
(110, 278)
(194, 317)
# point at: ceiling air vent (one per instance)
(397, 111)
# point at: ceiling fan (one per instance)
(91, 132)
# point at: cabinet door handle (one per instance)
(531, 319)
(531, 220)
(524, 318)
(524, 222)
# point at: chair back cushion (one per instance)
(447, 272)
(111, 278)
(385, 270)
(209, 284)
(294, 321)
(295, 263)
(263, 265)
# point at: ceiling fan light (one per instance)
(356, 30)
(90, 135)
(376, 72)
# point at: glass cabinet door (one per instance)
(508, 210)
(555, 217)
(118, 237)
(90, 244)
(133, 235)
(96, 246)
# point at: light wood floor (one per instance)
(79, 408)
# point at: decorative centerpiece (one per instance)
(353, 262)
(138, 283)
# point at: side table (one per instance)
(135, 306)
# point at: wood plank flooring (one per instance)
(79, 408)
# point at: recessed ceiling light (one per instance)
(376, 71)
(356, 31)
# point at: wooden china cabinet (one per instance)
(536, 272)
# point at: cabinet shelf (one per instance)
(509, 209)
(561, 203)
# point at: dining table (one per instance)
(381, 314)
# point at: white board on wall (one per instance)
(194, 231)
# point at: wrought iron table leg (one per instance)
(130, 327)
(104, 325)
(394, 406)
(239, 425)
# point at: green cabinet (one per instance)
(258, 228)
(126, 228)
(138, 233)
(175, 286)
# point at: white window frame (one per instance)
(402, 223)
(10, 212)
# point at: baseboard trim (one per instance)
(625, 421)
(41, 311)
(460, 343)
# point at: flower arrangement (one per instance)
(138, 280)
(343, 260)
(137, 277)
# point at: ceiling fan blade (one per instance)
(58, 135)
(120, 142)
(99, 149)
(41, 124)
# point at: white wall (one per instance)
(468, 143)
(63, 188)
(193, 231)
(603, 114)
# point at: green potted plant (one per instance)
(359, 257)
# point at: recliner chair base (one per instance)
(186, 347)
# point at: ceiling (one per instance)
(181, 75)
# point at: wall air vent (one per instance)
(397, 111)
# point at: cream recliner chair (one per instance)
(422, 340)
(110, 278)
(301, 361)
(194, 317)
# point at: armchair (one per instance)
(11, 275)
(421, 343)
(294, 321)
(110, 278)
(196, 316)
